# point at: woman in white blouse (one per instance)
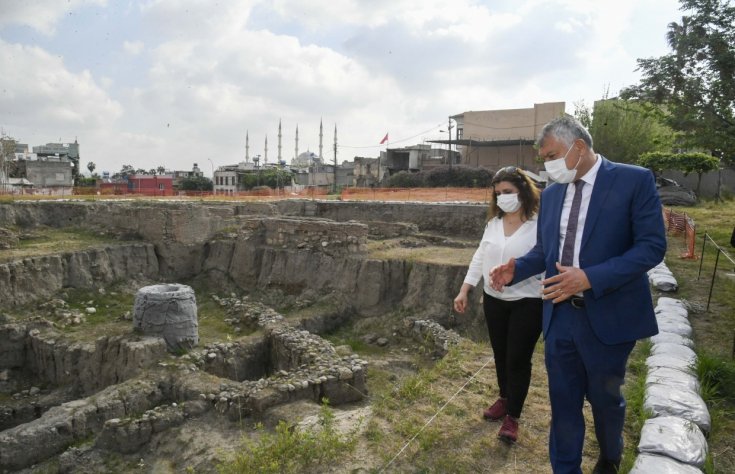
(513, 316)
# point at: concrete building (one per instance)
(367, 172)
(68, 150)
(226, 179)
(497, 138)
(52, 173)
(415, 158)
(179, 176)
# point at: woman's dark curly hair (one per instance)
(528, 193)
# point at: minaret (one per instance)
(279, 142)
(247, 147)
(296, 150)
(321, 135)
(265, 157)
(334, 187)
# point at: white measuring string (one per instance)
(436, 414)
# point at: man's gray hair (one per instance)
(565, 129)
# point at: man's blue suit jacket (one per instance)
(623, 238)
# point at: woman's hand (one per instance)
(460, 302)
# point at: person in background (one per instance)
(597, 238)
(513, 316)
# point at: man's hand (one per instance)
(502, 274)
(568, 282)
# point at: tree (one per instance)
(623, 130)
(656, 161)
(583, 113)
(124, 172)
(91, 167)
(695, 83)
(161, 170)
(196, 183)
(699, 163)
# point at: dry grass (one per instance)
(453, 392)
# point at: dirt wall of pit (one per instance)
(299, 244)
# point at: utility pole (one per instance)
(449, 144)
(265, 154)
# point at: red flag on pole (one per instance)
(385, 139)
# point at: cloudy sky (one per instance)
(174, 82)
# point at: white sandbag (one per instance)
(666, 283)
(687, 404)
(666, 337)
(670, 361)
(673, 378)
(671, 310)
(653, 464)
(675, 438)
(669, 318)
(666, 301)
(682, 329)
(674, 350)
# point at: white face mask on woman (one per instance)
(558, 170)
(508, 202)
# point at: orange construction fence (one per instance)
(446, 194)
(417, 194)
(681, 223)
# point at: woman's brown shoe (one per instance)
(497, 410)
(509, 430)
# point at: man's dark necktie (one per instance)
(567, 251)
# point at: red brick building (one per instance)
(151, 185)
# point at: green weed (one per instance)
(290, 450)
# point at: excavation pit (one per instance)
(123, 391)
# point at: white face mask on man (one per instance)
(508, 202)
(558, 170)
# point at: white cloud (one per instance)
(41, 15)
(133, 47)
(36, 87)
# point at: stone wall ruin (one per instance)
(123, 390)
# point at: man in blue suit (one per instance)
(600, 229)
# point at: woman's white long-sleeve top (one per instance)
(495, 248)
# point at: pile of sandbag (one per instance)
(673, 440)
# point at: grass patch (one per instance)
(434, 415)
(212, 325)
(52, 241)
(635, 394)
(289, 450)
(714, 330)
(393, 250)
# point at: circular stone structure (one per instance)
(168, 311)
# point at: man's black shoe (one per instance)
(605, 466)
